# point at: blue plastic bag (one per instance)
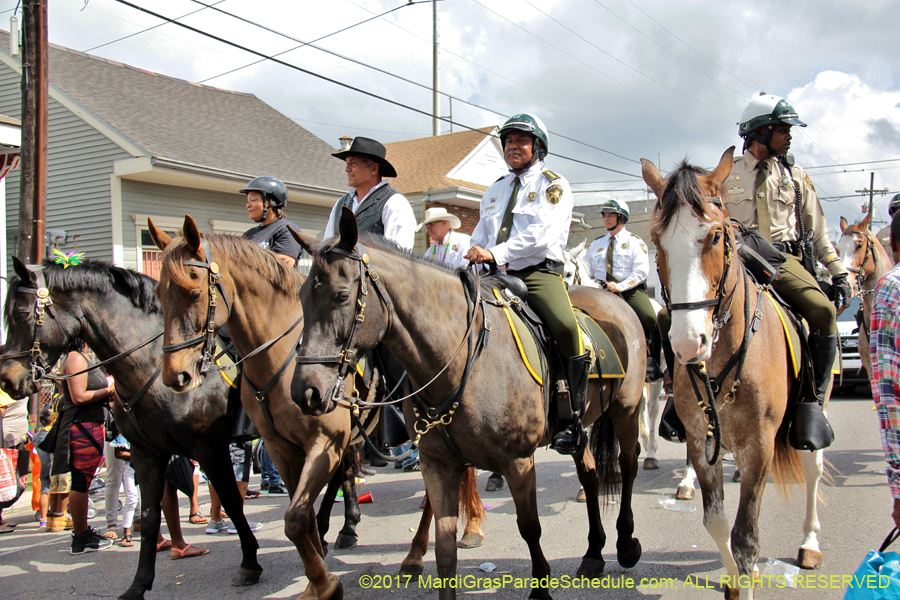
(878, 577)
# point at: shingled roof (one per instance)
(422, 164)
(194, 124)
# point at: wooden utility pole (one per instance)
(33, 191)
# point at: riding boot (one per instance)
(573, 438)
(810, 429)
(654, 345)
(670, 426)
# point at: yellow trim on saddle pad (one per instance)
(513, 327)
(231, 374)
(789, 334)
(604, 357)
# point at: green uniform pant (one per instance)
(803, 294)
(639, 301)
(548, 297)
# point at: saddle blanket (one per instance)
(792, 338)
(605, 361)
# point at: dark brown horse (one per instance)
(113, 310)
(701, 271)
(359, 295)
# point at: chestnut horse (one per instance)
(864, 257)
(695, 240)
(357, 296)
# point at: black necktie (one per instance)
(506, 225)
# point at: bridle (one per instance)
(860, 272)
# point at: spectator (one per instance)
(122, 453)
(45, 419)
(14, 414)
(271, 480)
(240, 461)
(115, 471)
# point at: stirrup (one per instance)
(570, 441)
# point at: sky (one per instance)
(613, 80)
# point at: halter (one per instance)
(207, 338)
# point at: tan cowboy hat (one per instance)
(440, 214)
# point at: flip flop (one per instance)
(6, 529)
(127, 542)
(164, 545)
(187, 552)
(198, 519)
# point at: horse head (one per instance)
(186, 291)
(576, 270)
(344, 317)
(860, 252)
(695, 243)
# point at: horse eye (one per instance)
(717, 238)
(859, 246)
(195, 295)
(342, 298)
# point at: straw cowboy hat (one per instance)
(372, 149)
(439, 214)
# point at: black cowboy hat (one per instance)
(369, 148)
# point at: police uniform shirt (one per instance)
(397, 216)
(884, 236)
(631, 261)
(451, 251)
(740, 200)
(541, 218)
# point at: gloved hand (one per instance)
(840, 292)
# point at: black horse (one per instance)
(112, 310)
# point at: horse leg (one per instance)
(219, 471)
(810, 556)
(470, 502)
(745, 533)
(323, 517)
(522, 482)
(414, 564)
(150, 472)
(652, 442)
(685, 489)
(714, 518)
(443, 493)
(592, 563)
(347, 536)
(628, 548)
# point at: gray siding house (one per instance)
(126, 144)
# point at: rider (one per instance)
(884, 236)
(761, 193)
(620, 261)
(266, 201)
(524, 225)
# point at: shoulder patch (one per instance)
(550, 175)
(643, 246)
(554, 194)
(808, 181)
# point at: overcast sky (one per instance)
(636, 78)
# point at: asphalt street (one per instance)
(680, 560)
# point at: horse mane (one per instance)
(382, 243)
(682, 189)
(284, 279)
(94, 276)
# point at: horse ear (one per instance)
(349, 230)
(22, 271)
(844, 225)
(308, 242)
(864, 224)
(723, 169)
(159, 237)
(653, 178)
(191, 234)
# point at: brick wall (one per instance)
(467, 216)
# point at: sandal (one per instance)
(111, 533)
(187, 552)
(7, 528)
(127, 542)
(164, 545)
(198, 519)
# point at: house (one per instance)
(10, 141)
(127, 144)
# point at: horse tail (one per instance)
(787, 471)
(470, 506)
(605, 448)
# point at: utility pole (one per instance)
(871, 191)
(435, 86)
(33, 190)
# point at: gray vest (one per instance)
(368, 216)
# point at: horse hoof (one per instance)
(732, 593)
(736, 477)
(684, 493)
(411, 570)
(338, 593)
(581, 497)
(345, 541)
(630, 557)
(245, 577)
(809, 559)
(132, 594)
(592, 568)
(471, 539)
(539, 594)
(651, 464)
(494, 483)
(310, 593)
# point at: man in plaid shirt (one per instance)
(885, 347)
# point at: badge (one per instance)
(624, 245)
(735, 190)
(453, 248)
(761, 195)
(532, 196)
(785, 181)
(554, 194)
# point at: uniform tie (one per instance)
(762, 202)
(609, 259)
(506, 224)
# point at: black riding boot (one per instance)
(810, 429)
(572, 439)
(654, 372)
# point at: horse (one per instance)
(114, 310)
(259, 296)
(695, 240)
(357, 296)
(866, 260)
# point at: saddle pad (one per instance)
(528, 349)
(791, 337)
(233, 373)
(606, 360)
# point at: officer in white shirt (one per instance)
(620, 261)
(378, 207)
(448, 246)
(524, 226)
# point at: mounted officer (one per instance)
(523, 226)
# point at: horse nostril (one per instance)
(183, 379)
(703, 339)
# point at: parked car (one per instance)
(852, 370)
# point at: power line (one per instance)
(868, 162)
(149, 28)
(339, 83)
(355, 128)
